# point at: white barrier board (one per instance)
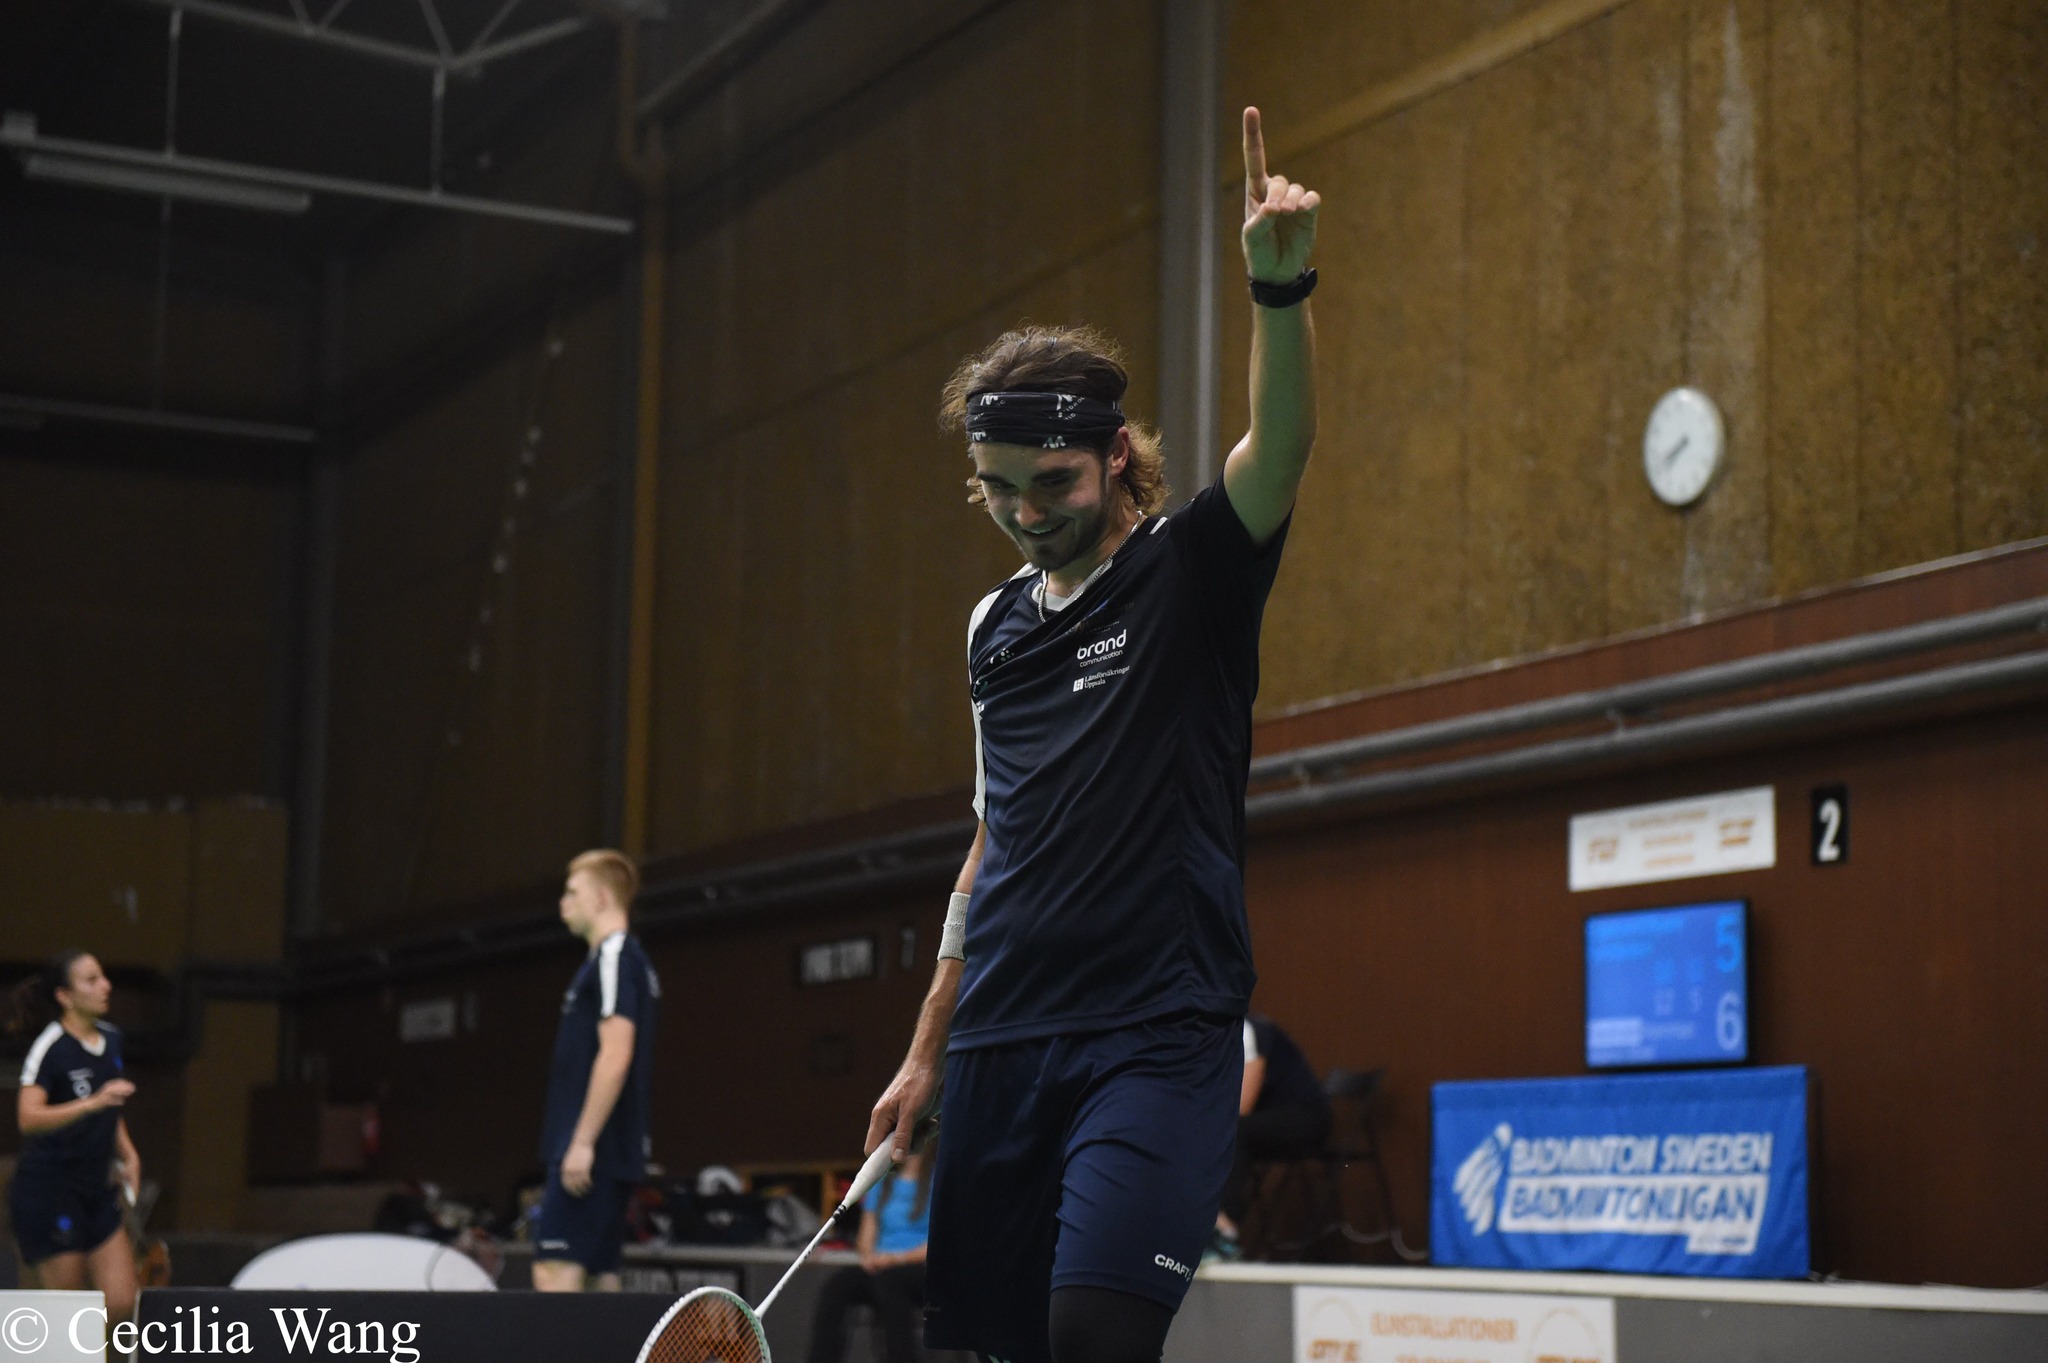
(1376, 1325)
(53, 1327)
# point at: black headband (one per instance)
(1050, 421)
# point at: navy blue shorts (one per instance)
(589, 1230)
(52, 1217)
(1077, 1161)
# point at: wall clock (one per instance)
(1682, 446)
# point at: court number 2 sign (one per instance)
(1830, 825)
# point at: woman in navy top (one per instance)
(895, 1221)
(64, 1206)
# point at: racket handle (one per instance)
(870, 1174)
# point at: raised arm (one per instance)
(915, 1088)
(1264, 471)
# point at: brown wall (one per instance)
(142, 647)
(1812, 210)
(150, 892)
(413, 818)
(430, 278)
(1445, 945)
(1815, 210)
(79, 292)
(734, 1051)
(141, 886)
(819, 559)
(1441, 941)
(1822, 213)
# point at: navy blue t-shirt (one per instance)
(80, 1153)
(1114, 737)
(615, 980)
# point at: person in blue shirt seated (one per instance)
(895, 1221)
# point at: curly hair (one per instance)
(1078, 360)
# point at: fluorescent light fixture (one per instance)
(103, 165)
(73, 170)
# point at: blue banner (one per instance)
(1701, 1173)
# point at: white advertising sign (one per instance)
(53, 1327)
(1375, 1325)
(427, 1020)
(1708, 835)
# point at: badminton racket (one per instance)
(712, 1325)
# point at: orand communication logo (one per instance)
(1478, 1181)
(24, 1330)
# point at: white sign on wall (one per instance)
(1708, 835)
(1375, 1325)
(427, 1020)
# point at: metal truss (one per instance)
(172, 174)
(324, 29)
(298, 19)
(177, 175)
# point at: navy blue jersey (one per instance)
(615, 980)
(80, 1153)
(1114, 734)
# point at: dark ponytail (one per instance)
(32, 1004)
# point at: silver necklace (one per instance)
(1038, 592)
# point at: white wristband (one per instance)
(953, 937)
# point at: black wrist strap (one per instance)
(1284, 295)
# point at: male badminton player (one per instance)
(594, 1140)
(1095, 968)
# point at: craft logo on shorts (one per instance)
(1173, 1265)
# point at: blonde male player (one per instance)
(594, 1140)
(1096, 963)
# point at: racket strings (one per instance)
(709, 1329)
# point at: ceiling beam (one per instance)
(323, 33)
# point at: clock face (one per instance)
(1682, 446)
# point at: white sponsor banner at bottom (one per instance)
(52, 1327)
(1376, 1325)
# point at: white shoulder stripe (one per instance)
(608, 974)
(1157, 526)
(34, 1062)
(981, 611)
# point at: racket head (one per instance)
(710, 1325)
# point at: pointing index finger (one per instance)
(1254, 156)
